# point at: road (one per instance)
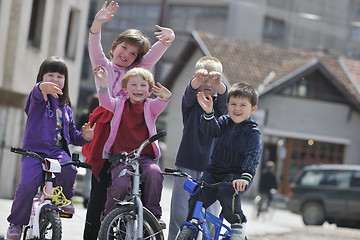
(282, 226)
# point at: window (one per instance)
(142, 17)
(71, 38)
(186, 18)
(355, 180)
(312, 178)
(36, 22)
(273, 28)
(307, 152)
(315, 86)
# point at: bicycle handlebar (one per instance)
(179, 173)
(157, 136)
(121, 156)
(75, 158)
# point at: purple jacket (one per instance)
(41, 123)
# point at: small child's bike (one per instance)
(130, 220)
(198, 222)
(46, 210)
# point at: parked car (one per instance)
(327, 192)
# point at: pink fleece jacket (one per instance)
(115, 73)
(152, 109)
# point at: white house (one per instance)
(309, 102)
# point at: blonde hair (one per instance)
(143, 73)
(210, 64)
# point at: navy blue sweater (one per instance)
(237, 148)
(195, 147)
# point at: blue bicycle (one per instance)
(198, 222)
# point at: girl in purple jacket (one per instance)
(50, 128)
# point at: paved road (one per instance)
(283, 224)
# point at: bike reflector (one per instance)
(52, 165)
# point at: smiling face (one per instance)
(124, 54)
(137, 88)
(55, 77)
(240, 109)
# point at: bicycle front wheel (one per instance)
(186, 233)
(50, 226)
(122, 223)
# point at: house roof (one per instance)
(267, 67)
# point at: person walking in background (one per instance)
(134, 121)
(195, 147)
(130, 49)
(236, 153)
(50, 128)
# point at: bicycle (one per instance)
(198, 222)
(45, 222)
(263, 205)
(131, 220)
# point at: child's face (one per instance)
(137, 88)
(240, 109)
(207, 88)
(55, 77)
(125, 54)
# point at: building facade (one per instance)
(30, 32)
(309, 102)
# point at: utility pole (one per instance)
(163, 21)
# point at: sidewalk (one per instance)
(73, 228)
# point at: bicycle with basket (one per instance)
(45, 222)
(198, 222)
(131, 220)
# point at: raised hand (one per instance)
(201, 75)
(161, 92)
(88, 132)
(105, 14)
(166, 35)
(101, 74)
(50, 88)
(205, 103)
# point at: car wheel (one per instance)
(313, 213)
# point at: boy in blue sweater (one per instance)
(195, 147)
(236, 152)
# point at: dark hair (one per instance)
(243, 90)
(56, 64)
(132, 37)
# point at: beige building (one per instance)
(30, 32)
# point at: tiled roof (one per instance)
(245, 61)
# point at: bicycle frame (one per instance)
(44, 201)
(200, 216)
(131, 159)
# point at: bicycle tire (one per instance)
(50, 226)
(186, 233)
(115, 225)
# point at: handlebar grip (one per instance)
(85, 165)
(171, 170)
(157, 136)
(17, 150)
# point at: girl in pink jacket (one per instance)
(133, 122)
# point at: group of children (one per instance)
(217, 126)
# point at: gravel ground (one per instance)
(314, 233)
